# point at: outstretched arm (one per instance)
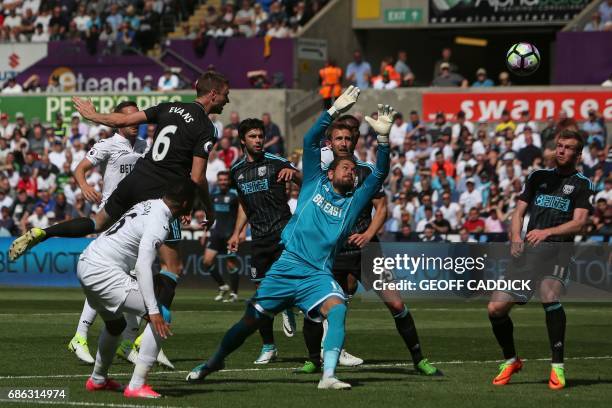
(115, 120)
(311, 160)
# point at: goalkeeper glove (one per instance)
(382, 125)
(344, 101)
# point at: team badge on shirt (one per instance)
(567, 189)
(208, 147)
(261, 171)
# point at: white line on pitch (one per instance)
(86, 404)
(233, 370)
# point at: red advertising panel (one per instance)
(489, 105)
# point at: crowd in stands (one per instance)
(601, 20)
(446, 177)
(395, 73)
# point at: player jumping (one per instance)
(103, 271)
(342, 137)
(559, 203)
(328, 207)
(116, 156)
(183, 138)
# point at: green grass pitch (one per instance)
(36, 325)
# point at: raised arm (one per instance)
(311, 160)
(115, 120)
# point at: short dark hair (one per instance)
(124, 104)
(570, 134)
(178, 193)
(249, 124)
(340, 125)
(223, 173)
(337, 160)
(210, 80)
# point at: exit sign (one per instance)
(404, 15)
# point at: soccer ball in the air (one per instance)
(523, 59)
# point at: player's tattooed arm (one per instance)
(116, 120)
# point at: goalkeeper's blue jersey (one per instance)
(323, 218)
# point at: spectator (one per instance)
(80, 208)
(398, 131)
(276, 12)
(465, 237)
(7, 221)
(273, 141)
(439, 127)
(430, 235)
(445, 60)
(168, 81)
(259, 15)
(12, 87)
(114, 18)
(504, 79)
(37, 220)
(301, 14)
(43, 18)
(461, 123)
(277, 29)
(330, 78)
(215, 165)
(505, 123)
(472, 197)
(443, 164)
(54, 84)
(493, 223)
(125, 38)
(426, 219)
(245, 18)
(58, 23)
(27, 183)
(404, 71)
(384, 81)
(82, 20)
(525, 121)
(358, 72)
(40, 35)
(440, 224)
(474, 224)
(595, 24)
(594, 129)
(228, 153)
(405, 234)
(447, 78)
(451, 211)
(605, 10)
(481, 79)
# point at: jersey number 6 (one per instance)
(162, 143)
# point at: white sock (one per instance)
(325, 324)
(511, 360)
(88, 316)
(149, 349)
(558, 365)
(131, 330)
(107, 345)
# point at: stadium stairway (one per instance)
(194, 19)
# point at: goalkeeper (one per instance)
(328, 206)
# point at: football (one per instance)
(523, 59)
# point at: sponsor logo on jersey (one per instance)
(181, 111)
(567, 189)
(254, 186)
(261, 171)
(327, 207)
(554, 202)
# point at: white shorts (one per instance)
(107, 290)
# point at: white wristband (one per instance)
(333, 112)
(382, 139)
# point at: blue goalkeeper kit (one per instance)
(319, 227)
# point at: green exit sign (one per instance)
(404, 15)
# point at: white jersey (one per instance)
(116, 158)
(131, 243)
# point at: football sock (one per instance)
(266, 330)
(313, 335)
(214, 273)
(407, 330)
(234, 279)
(88, 316)
(107, 345)
(131, 330)
(503, 330)
(332, 345)
(149, 348)
(76, 228)
(555, 323)
(233, 339)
